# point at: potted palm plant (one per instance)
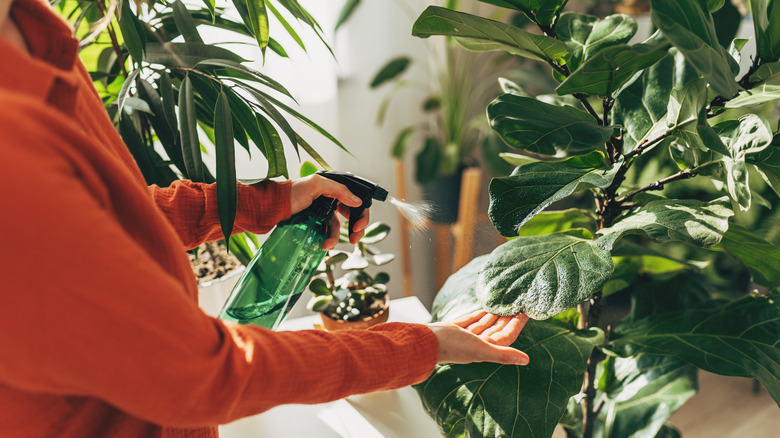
(356, 299)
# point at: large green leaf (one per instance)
(515, 199)
(542, 276)
(739, 338)
(641, 108)
(543, 11)
(756, 96)
(477, 33)
(586, 35)
(611, 68)
(186, 54)
(648, 389)
(766, 72)
(766, 22)
(760, 256)
(227, 192)
(487, 399)
(457, 297)
(689, 26)
(687, 220)
(555, 221)
(554, 130)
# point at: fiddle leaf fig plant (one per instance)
(651, 169)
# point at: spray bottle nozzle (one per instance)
(366, 190)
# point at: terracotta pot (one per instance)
(380, 317)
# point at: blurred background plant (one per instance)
(176, 99)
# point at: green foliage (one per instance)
(668, 114)
(542, 276)
(161, 91)
(485, 399)
(356, 294)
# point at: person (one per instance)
(100, 330)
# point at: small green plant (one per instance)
(356, 294)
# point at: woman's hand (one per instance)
(499, 330)
(481, 337)
(458, 345)
(305, 190)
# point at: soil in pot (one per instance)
(380, 306)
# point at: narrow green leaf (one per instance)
(258, 17)
(691, 221)
(226, 165)
(756, 96)
(190, 144)
(611, 68)
(169, 101)
(185, 23)
(390, 71)
(125, 90)
(346, 11)
(401, 143)
(186, 54)
(133, 32)
(542, 276)
(760, 256)
(477, 33)
(312, 153)
(531, 188)
(689, 26)
(210, 4)
(274, 148)
(739, 338)
(290, 30)
(248, 72)
(559, 131)
(586, 35)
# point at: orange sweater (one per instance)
(100, 333)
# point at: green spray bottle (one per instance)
(285, 263)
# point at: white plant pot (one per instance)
(213, 294)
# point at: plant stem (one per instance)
(120, 58)
(659, 185)
(588, 107)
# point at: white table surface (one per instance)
(389, 414)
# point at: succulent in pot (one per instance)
(356, 299)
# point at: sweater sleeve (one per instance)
(192, 208)
(87, 312)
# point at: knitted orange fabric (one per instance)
(100, 332)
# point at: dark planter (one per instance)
(443, 196)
